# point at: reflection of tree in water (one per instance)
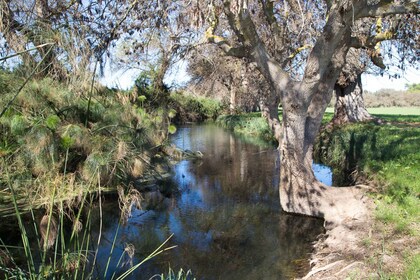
(226, 219)
(240, 169)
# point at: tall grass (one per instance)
(44, 132)
(58, 253)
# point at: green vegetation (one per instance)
(386, 157)
(59, 148)
(251, 124)
(413, 88)
(194, 109)
(51, 135)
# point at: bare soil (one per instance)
(362, 248)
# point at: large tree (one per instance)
(348, 90)
(350, 106)
(271, 34)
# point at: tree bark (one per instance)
(350, 106)
(269, 110)
(300, 192)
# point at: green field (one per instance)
(390, 114)
(388, 110)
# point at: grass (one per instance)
(386, 157)
(251, 124)
(54, 252)
(389, 114)
(59, 147)
(50, 134)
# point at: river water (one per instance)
(225, 217)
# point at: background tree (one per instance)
(229, 79)
(350, 106)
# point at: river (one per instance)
(225, 217)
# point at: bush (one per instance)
(194, 109)
(49, 132)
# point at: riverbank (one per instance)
(384, 159)
(59, 142)
(62, 148)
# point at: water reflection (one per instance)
(226, 218)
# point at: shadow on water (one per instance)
(226, 217)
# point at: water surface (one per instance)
(225, 216)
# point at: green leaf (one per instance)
(52, 122)
(172, 129)
(172, 113)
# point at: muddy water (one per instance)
(225, 216)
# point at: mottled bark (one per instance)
(350, 106)
(269, 110)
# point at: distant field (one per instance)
(413, 111)
(395, 111)
(396, 114)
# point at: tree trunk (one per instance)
(269, 110)
(350, 106)
(300, 191)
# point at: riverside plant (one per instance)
(58, 148)
(49, 129)
(59, 254)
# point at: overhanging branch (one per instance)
(223, 44)
(386, 8)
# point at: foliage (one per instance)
(193, 109)
(147, 90)
(50, 132)
(247, 124)
(413, 88)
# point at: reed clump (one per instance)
(60, 149)
(70, 141)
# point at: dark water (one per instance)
(226, 218)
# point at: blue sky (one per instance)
(372, 83)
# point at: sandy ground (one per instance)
(360, 249)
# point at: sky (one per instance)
(371, 83)
(374, 83)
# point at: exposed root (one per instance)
(315, 271)
(347, 267)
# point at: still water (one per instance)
(225, 217)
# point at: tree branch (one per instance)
(224, 45)
(221, 42)
(386, 8)
(381, 35)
